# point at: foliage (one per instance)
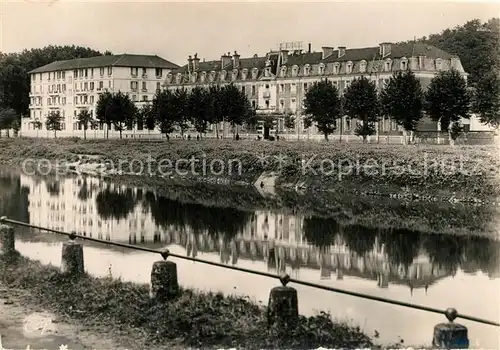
(146, 116)
(54, 121)
(362, 102)
(289, 121)
(215, 110)
(103, 109)
(7, 117)
(486, 101)
(402, 100)
(85, 120)
(15, 80)
(163, 109)
(179, 105)
(197, 107)
(477, 44)
(235, 105)
(447, 99)
(322, 107)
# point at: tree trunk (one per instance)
(217, 130)
(405, 140)
(84, 134)
(326, 136)
(364, 138)
(55, 135)
(411, 136)
(7, 133)
(450, 138)
(121, 133)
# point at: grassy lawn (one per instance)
(194, 319)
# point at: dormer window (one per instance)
(203, 76)
(404, 64)
(268, 71)
(336, 68)
(255, 71)
(295, 70)
(362, 66)
(387, 65)
(321, 69)
(223, 75)
(178, 78)
(212, 76)
(283, 71)
(169, 78)
(307, 69)
(348, 67)
(244, 74)
(235, 74)
(439, 64)
(194, 77)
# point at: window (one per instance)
(101, 85)
(158, 72)
(244, 74)
(387, 65)
(101, 71)
(267, 86)
(336, 68)
(243, 88)
(305, 86)
(282, 104)
(255, 71)
(92, 86)
(158, 86)
(293, 88)
(283, 71)
(222, 75)
(85, 86)
(110, 70)
(321, 69)
(144, 72)
(134, 71)
(144, 98)
(63, 87)
(267, 103)
(295, 70)
(92, 72)
(253, 89)
(404, 63)
(254, 104)
(144, 88)
(362, 66)
(64, 75)
(282, 87)
(307, 68)
(349, 68)
(86, 73)
(134, 98)
(91, 99)
(235, 74)
(439, 64)
(64, 100)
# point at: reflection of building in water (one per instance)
(278, 239)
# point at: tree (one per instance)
(447, 100)
(37, 125)
(103, 110)
(148, 116)
(197, 107)
(85, 120)
(179, 109)
(402, 100)
(14, 78)
(214, 108)
(7, 117)
(122, 111)
(235, 106)
(16, 126)
(54, 122)
(289, 121)
(322, 107)
(164, 111)
(486, 101)
(362, 103)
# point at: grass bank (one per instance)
(194, 319)
(425, 172)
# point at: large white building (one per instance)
(72, 85)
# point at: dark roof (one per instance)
(123, 60)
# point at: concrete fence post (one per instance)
(72, 258)
(450, 335)
(164, 284)
(7, 240)
(283, 309)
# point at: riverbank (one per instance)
(123, 311)
(415, 172)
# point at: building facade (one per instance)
(277, 82)
(72, 85)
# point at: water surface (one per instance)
(435, 270)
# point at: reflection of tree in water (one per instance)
(446, 251)
(360, 239)
(115, 204)
(13, 198)
(53, 187)
(402, 246)
(483, 254)
(320, 232)
(196, 217)
(85, 192)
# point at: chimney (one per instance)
(341, 51)
(196, 62)
(190, 63)
(385, 49)
(327, 51)
(309, 49)
(236, 60)
(225, 60)
(284, 56)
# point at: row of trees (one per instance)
(446, 101)
(168, 110)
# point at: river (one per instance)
(428, 269)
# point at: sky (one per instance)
(175, 30)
